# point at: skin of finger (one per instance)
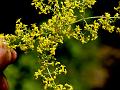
(13, 55)
(3, 82)
(5, 58)
(13, 52)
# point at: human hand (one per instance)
(7, 56)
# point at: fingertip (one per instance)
(13, 55)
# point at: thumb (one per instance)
(5, 58)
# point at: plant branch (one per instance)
(50, 75)
(96, 17)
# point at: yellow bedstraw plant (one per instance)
(45, 38)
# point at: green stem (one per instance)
(50, 75)
(96, 17)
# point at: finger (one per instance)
(5, 58)
(7, 55)
(13, 55)
(3, 82)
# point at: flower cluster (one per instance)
(49, 72)
(56, 6)
(117, 8)
(2, 40)
(106, 21)
(45, 38)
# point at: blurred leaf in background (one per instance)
(85, 70)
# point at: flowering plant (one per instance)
(45, 38)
